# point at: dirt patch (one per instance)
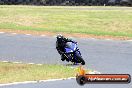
(78, 35)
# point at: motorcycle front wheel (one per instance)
(80, 59)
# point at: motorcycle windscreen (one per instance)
(68, 50)
(71, 46)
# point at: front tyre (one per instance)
(80, 60)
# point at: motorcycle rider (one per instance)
(60, 45)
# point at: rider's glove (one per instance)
(74, 42)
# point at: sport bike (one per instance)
(73, 54)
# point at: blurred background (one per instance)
(69, 2)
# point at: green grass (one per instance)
(10, 72)
(64, 19)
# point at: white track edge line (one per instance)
(5, 61)
(26, 82)
(39, 64)
(17, 62)
(2, 32)
(92, 72)
(27, 34)
(14, 33)
(129, 40)
(70, 37)
(30, 63)
(42, 35)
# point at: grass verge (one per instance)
(10, 72)
(67, 19)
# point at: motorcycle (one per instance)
(73, 54)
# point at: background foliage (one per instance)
(68, 2)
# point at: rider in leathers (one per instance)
(60, 45)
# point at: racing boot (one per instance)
(62, 57)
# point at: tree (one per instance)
(126, 2)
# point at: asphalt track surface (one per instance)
(106, 56)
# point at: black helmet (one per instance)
(59, 36)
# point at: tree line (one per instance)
(67, 2)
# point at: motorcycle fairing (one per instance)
(71, 47)
(68, 50)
